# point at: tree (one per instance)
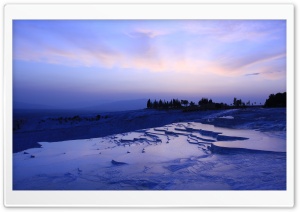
(178, 104)
(166, 104)
(155, 104)
(160, 104)
(149, 104)
(192, 104)
(185, 102)
(276, 100)
(203, 101)
(234, 101)
(237, 102)
(171, 105)
(219, 105)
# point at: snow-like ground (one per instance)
(185, 155)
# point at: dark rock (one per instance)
(117, 163)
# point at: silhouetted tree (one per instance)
(203, 101)
(276, 100)
(185, 102)
(237, 102)
(149, 104)
(234, 101)
(155, 104)
(160, 104)
(219, 105)
(177, 103)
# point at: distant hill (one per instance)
(28, 106)
(105, 107)
(119, 105)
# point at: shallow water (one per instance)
(178, 156)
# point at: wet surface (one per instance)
(178, 156)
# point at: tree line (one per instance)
(274, 100)
(204, 103)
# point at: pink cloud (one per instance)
(151, 62)
(143, 52)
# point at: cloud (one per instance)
(274, 72)
(252, 74)
(149, 59)
(200, 47)
(138, 33)
(270, 67)
(245, 60)
(259, 59)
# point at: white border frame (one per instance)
(146, 198)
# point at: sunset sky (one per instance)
(85, 62)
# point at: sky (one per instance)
(77, 63)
